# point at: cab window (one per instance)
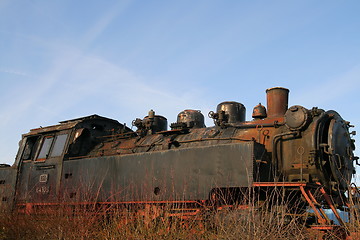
(59, 145)
(52, 146)
(30, 148)
(45, 148)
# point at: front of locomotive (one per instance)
(335, 148)
(320, 148)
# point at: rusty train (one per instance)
(97, 160)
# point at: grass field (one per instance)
(256, 222)
(228, 224)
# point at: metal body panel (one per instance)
(39, 178)
(179, 174)
(7, 187)
(39, 182)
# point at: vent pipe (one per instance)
(277, 101)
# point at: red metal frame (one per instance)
(305, 189)
(312, 192)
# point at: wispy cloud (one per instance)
(75, 78)
(95, 80)
(13, 71)
(64, 61)
(335, 88)
(104, 21)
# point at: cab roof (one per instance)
(68, 124)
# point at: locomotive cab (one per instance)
(43, 151)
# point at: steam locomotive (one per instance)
(97, 160)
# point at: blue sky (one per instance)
(66, 59)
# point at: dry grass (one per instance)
(259, 221)
(227, 224)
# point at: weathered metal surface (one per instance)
(189, 119)
(277, 101)
(151, 124)
(69, 124)
(234, 111)
(174, 175)
(7, 187)
(297, 117)
(259, 111)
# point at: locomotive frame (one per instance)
(97, 161)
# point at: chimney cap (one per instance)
(282, 88)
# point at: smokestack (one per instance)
(277, 101)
